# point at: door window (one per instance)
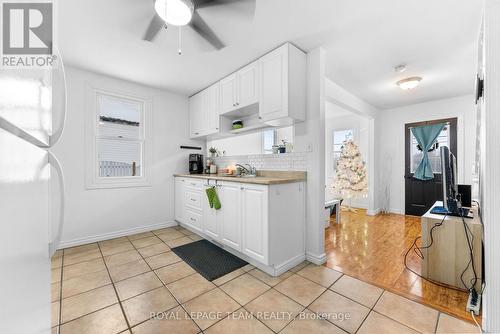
(434, 156)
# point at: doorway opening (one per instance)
(420, 195)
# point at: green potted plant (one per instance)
(213, 152)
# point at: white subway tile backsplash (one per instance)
(287, 161)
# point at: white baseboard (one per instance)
(317, 259)
(373, 212)
(397, 211)
(285, 266)
(112, 235)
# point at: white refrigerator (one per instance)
(32, 113)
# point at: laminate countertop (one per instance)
(263, 177)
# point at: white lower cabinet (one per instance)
(230, 215)
(194, 219)
(210, 217)
(264, 224)
(179, 199)
(254, 216)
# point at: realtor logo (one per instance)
(27, 34)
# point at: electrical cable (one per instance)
(477, 324)
(420, 254)
(470, 244)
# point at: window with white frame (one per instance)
(276, 137)
(118, 140)
(268, 141)
(339, 137)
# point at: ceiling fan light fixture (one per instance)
(175, 12)
(409, 83)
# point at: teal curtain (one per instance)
(426, 136)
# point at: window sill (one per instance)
(121, 183)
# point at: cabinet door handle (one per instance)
(260, 117)
(196, 133)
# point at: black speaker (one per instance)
(464, 191)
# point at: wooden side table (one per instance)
(449, 255)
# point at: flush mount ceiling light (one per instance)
(409, 83)
(175, 12)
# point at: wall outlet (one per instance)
(474, 302)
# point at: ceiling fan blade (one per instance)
(204, 3)
(154, 28)
(209, 3)
(201, 27)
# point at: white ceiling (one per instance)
(364, 41)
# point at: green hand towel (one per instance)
(213, 199)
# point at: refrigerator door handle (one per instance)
(54, 241)
(57, 134)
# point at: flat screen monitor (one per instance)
(450, 184)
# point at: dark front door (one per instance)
(421, 195)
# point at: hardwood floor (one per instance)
(372, 248)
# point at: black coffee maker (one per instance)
(195, 164)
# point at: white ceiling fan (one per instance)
(182, 13)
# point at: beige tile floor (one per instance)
(136, 284)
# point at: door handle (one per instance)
(54, 242)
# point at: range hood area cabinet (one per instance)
(273, 88)
(262, 224)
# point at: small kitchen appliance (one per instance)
(195, 164)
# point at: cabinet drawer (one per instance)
(193, 199)
(194, 184)
(194, 219)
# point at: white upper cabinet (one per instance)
(273, 86)
(204, 110)
(240, 89)
(228, 87)
(283, 86)
(196, 115)
(248, 85)
(213, 107)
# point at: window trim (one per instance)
(263, 149)
(92, 178)
(354, 137)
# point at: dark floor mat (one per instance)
(209, 260)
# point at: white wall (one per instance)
(337, 118)
(310, 137)
(104, 212)
(490, 159)
(391, 147)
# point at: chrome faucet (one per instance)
(251, 170)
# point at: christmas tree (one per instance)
(350, 176)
